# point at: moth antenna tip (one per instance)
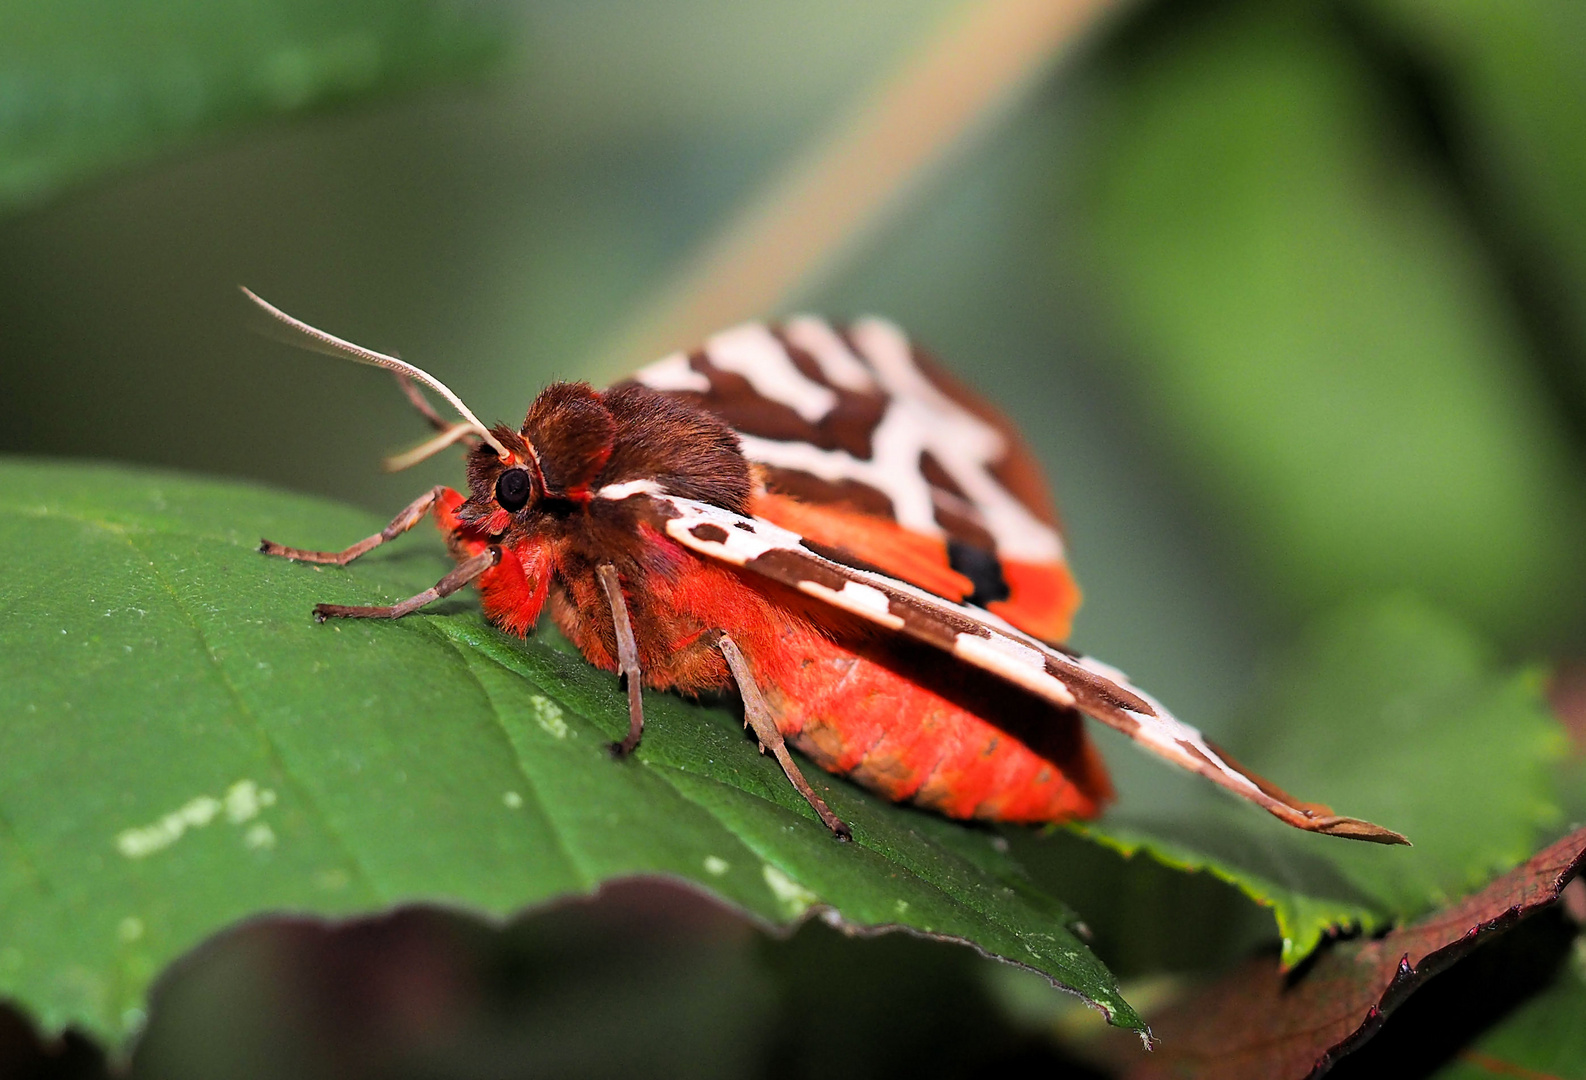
(318, 340)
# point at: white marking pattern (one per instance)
(673, 373)
(837, 362)
(918, 419)
(857, 597)
(1017, 663)
(629, 488)
(753, 351)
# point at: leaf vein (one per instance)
(587, 879)
(267, 741)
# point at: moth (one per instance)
(824, 520)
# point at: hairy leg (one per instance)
(410, 516)
(464, 572)
(757, 714)
(627, 657)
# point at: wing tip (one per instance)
(1356, 829)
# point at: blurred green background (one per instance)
(1290, 297)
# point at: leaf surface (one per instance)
(85, 87)
(1388, 711)
(182, 747)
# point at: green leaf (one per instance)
(182, 747)
(1387, 711)
(1316, 328)
(1511, 70)
(85, 87)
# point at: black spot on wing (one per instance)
(711, 534)
(983, 570)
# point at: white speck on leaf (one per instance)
(130, 929)
(332, 880)
(245, 799)
(259, 837)
(194, 814)
(512, 800)
(794, 898)
(548, 714)
(241, 803)
(715, 866)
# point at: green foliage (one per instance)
(183, 747)
(1389, 712)
(188, 749)
(1322, 331)
(1514, 68)
(85, 87)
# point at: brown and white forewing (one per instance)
(857, 417)
(987, 642)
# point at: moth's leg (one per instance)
(464, 572)
(409, 517)
(757, 714)
(627, 657)
(448, 432)
(417, 399)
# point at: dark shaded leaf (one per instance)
(1544, 1039)
(1509, 91)
(1318, 331)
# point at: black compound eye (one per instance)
(513, 489)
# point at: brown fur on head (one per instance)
(573, 431)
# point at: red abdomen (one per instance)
(900, 717)
(914, 726)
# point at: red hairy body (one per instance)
(888, 719)
(857, 705)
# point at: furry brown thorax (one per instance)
(576, 440)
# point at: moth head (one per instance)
(504, 488)
(551, 462)
(571, 433)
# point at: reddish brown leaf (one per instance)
(1254, 1024)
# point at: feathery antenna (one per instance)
(319, 341)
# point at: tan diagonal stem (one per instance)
(980, 61)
